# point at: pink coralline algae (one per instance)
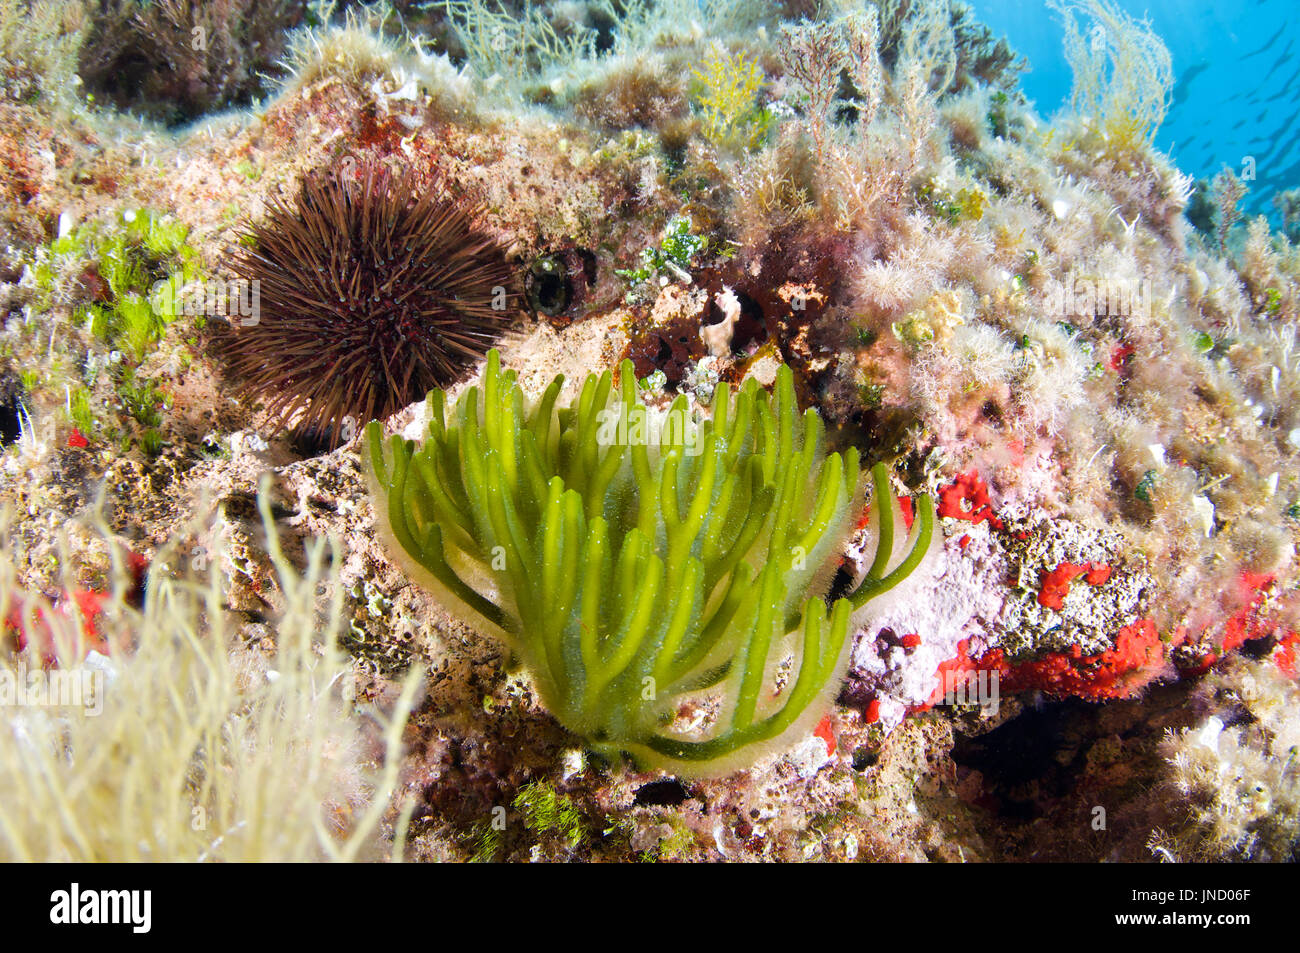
(953, 633)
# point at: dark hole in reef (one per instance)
(1235, 714)
(864, 758)
(123, 79)
(752, 326)
(1261, 648)
(174, 100)
(840, 585)
(1035, 746)
(674, 147)
(313, 441)
(1200, 210)
(11, 410)
(886, 639)
(552, 294)
(590, 266)
(127, 58)
(846, 114)
(548, 286)
(606, 28)
(857, 693)
(666, 793)
(11, 427)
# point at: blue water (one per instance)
(1237, 69)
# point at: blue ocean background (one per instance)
(1237, 72)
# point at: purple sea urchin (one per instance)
(373, 290)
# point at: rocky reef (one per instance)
(1079, 364)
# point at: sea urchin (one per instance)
(373, 290)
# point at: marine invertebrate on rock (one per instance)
(373, 290)
(661, 575)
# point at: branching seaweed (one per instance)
(180, 744)
(1123, 74)
(39, 40)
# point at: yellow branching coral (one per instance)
(1123, 73)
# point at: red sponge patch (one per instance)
(1056, 584)
(968, 499)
